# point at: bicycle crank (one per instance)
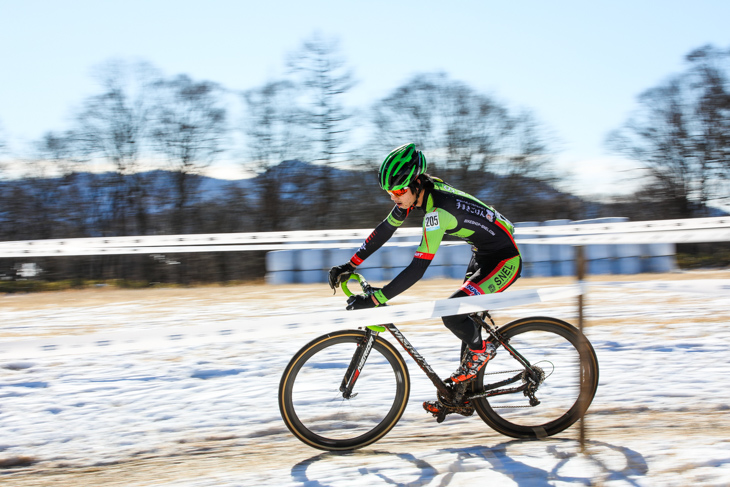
(445, 406)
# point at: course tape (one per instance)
(210, 333)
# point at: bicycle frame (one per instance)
(454, 395)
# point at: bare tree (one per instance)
(3, 150)
(49, 183)
(323, 75)
(275, 129)
(680, 134)
(324, 78)
(56, 154)
(471, 138)
(6, 216)
(275, 125)
(710, 84)
(113, 127)
(189, 128)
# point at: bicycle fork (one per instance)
(357, 363)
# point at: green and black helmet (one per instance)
(402, 166)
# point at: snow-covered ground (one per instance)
(205, 414)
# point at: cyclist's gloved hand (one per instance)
(340, 273)
(360, 301)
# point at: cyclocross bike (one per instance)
(347, 389)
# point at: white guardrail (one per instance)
(659, 231)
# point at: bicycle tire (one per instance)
(565, 394)
(312, 405)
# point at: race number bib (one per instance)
(431, 221)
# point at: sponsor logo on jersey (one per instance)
(480, 225)
(475, 209)
(471, 289)
(504, 275)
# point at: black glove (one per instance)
(360, 301)
(340, 273)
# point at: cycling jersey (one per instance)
(447, 211)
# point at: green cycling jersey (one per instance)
(447, 211)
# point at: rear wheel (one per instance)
(313, 407)
(559, 352)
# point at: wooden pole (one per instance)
(580, 274)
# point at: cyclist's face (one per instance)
(405, 200)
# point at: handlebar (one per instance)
(366, 288)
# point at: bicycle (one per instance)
(347, 389)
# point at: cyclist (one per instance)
(495, 263)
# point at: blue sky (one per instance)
(577, 65)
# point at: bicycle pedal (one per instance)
(440, 410)
(437, 409)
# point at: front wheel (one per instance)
(313, 407)
(568, 367)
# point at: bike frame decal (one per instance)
(348, 383)
(409, 348)
(435, 379)
(365, 353)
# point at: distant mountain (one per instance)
(213, 187)
(292, 175)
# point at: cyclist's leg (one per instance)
(486, 274)
(493, 275)
(461, 325)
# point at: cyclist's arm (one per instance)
(380, 235)
(435, 225)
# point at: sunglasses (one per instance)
(398, 192)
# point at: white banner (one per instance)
(216, 332)
(236, 330)
(709, 287)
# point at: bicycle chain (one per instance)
(504, 372)
(507, 372)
